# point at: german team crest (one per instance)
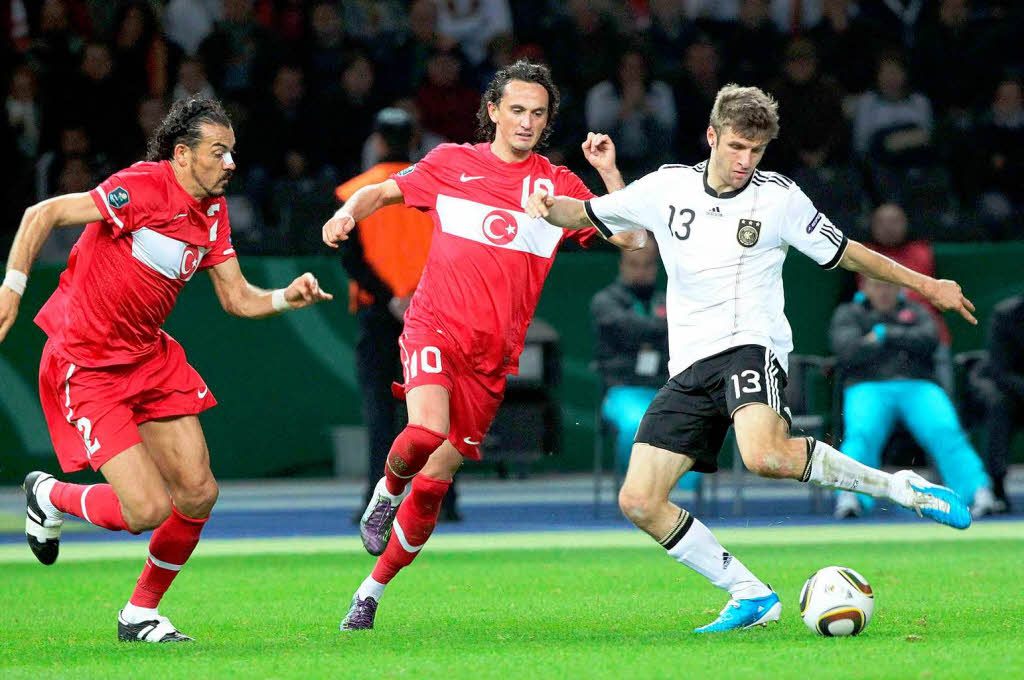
(118, 198)
(748, 233)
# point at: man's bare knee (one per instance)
(196, 499)
(638, 507)
(767, 460)
(147, 514)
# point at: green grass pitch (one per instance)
(584, 605)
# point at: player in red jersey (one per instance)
(465, 327)
(116, 390)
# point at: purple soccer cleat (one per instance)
(360, 614)
(379, 516)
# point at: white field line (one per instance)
(730, 537)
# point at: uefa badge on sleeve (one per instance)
(118, 198)
(748, 233)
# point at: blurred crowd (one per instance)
(915, 102)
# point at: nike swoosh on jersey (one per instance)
(203, 392)
(470, 441)
(179, 216)
(465, 178)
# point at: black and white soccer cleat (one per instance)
(42, 530)
(159, 629)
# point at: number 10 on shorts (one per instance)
(427, 359)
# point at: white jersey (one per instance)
(723, 254)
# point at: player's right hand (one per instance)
(538, 203)
(9, 302)
(337, 228)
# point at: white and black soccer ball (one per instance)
(836, 601)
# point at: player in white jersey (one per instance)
(724, 228)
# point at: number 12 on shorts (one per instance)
(427, 359)
(753, 382)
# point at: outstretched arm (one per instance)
(238, 297)
(36, 225)
(571, 214)
(942, 293)
(363, 203)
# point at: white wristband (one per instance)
(16, 281)
(278, 301)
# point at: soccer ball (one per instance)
(836, 601)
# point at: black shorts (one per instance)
(692, 411)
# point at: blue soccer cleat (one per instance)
(740, 614)
(935, 502)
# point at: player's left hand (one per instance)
(946, 294)
(599, 151)
(538, 203)
(9, 303)
(305, 291)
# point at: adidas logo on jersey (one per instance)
(714, 212)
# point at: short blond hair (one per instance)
(749, 112)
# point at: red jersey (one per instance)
(125, 272)
(488, 259)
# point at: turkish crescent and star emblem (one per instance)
(189, 262)
(500, 227)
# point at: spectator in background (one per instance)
(75, 176)
(188, 22)
(845, 39)
(140, 53)
(885, 344)
(95, 99)
(74, 142)
(892, 129)
(1005, 402)
(406, 62)
(422, 140)
(286, 121)
(811, 105)
(670, 33)
(695, 95)
(298, 199)
(946, 56)
(357, 97)
(446, 103)
(238, 53)
(995, 155)
(472, 24)
(148, 114)
(24, 116)
(191, 80)
(889, 237)
(327, 46)
(631, 346)
(585, 28)
(752, 45)
(384, 257)
(637, 111)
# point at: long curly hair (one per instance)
(182, 125)
(525, 71)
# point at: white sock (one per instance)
(43, 498)
(370, 588)
(135, 614)
(835, 470)
(697, 548)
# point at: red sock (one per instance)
(169, 548)
(96, 504)
(416, 519)
(408, 455)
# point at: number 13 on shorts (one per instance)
(751, 382)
